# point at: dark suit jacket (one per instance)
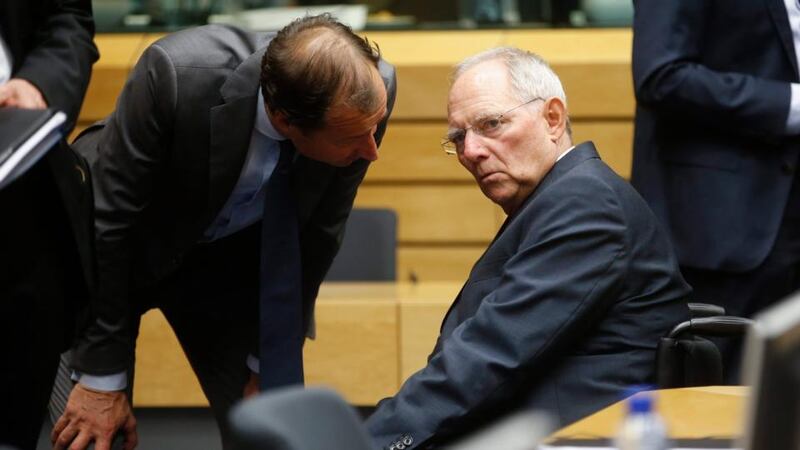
(51, 44)
(167, 159)
(561, 313)
(711, 154)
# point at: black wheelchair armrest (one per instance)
(718, 326)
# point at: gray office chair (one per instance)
(295, 418)
(369, 248)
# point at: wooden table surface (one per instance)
(689, 413)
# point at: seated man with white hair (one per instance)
(565, 308)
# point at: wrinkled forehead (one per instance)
(483, 89)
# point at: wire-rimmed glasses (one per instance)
(487, 126)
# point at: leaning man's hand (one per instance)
(94, 416)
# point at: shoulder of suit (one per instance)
(210, 46)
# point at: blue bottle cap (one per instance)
(640, 403)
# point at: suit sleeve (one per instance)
(131, 147)
(670, 76)
(323, 235)
(60, 63)
(562, 278)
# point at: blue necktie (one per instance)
(281, 308)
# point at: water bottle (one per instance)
(642, 428)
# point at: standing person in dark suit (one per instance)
(46, 56)
(567, 305)
(223, 181)
(716, 144)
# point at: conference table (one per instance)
(703, 416)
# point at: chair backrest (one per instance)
(369, 247)
(685, 358)
(295, 418)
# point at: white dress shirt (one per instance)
(5, 62)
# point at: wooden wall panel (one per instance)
(421, 321)
(430, 263)
(355, 351)
(433, 213)
(614, 141)
(163, 375)
(411, 152)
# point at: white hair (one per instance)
(531, 76)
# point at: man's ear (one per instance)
(554, 112)
(280, 122)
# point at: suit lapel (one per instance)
(777, 10)
(231, 128)
(577, 155)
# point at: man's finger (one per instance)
(101, 443)
(82, 441)
(5, 94)
(131, 437)
(58, 428)
(65, 437)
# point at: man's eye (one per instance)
(490, 125)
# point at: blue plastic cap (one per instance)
(638, 400)
(640, 403)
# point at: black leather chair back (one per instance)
(369, 247)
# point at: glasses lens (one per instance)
(449, 146)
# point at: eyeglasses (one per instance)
(487, 126)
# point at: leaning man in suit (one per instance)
(223, 181)
(566, 306)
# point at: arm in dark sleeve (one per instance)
(130, 156)
(564, 275)
(670, 39)
(60, 63)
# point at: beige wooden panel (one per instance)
(435, 213)
(598, 90)
(594, 66)
(437, 263)
(594, 90)
(556, 45)
(614, 141)
(163, 375)
(118, 53)
(411, 151)
(421, 322)
(355, 351)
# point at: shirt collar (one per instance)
(564, 154)
(263, 123)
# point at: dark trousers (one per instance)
(745, 294)
(211, 303)
(37, 277)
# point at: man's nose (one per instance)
(368, 148)
(473, 147)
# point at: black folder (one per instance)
(25, 136)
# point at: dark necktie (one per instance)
(281, 309)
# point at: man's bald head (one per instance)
(315, 63)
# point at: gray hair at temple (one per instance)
(531, 76)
